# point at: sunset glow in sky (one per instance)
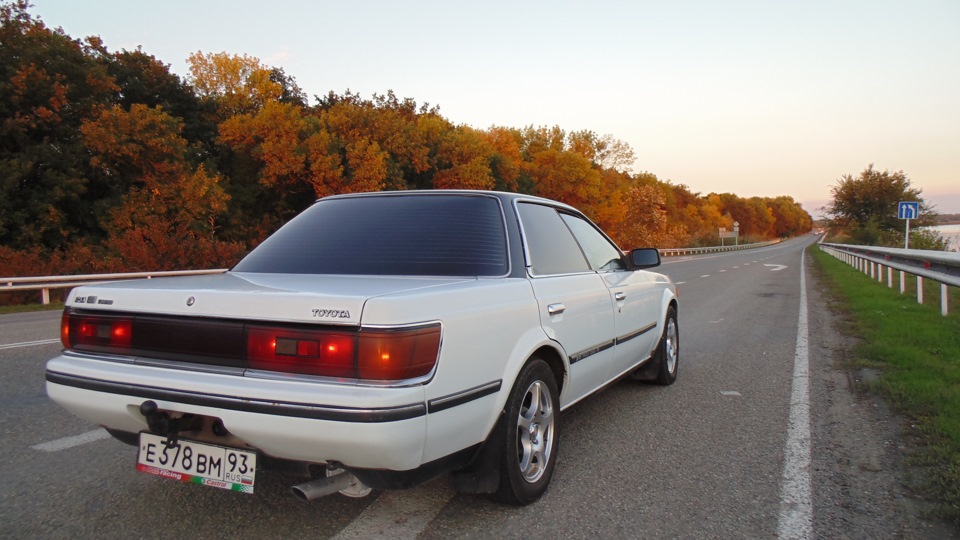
(754, 98)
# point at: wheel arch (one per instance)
(553, 359)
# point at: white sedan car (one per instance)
(373, 342)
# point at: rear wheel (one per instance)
(532, 427)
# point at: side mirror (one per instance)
(644, 258)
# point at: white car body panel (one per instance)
(586, 323)
(272, 297)
(639, 310)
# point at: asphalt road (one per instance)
(702, 458)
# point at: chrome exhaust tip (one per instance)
(329, 485)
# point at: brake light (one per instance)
(95, 332)
(380, 355)
(326, 353)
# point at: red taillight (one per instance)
(95, 332)
(394, 354)
(326, 353)
(381, 355)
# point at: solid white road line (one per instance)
(28, 344)
(70, 442)
(796, 490)
(401, 513)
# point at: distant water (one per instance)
(951, 233)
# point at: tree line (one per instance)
(110, 162)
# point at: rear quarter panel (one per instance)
(490, 328)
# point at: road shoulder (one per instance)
(860, 472)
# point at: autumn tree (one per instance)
(397, 127)
(462, 160)
(49, 85)
(166, 214)
(604, 151)
(238, 84)
(646, 222)
(790, 218)
(143, 79)
(506, 160)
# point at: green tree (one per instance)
(869, 200)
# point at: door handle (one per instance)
(620, 297)
(556, 309)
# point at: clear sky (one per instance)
(759, 98)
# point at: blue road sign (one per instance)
(908, 210)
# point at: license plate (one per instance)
(197, 463)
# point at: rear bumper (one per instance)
(294, 420)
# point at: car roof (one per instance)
(504, 196)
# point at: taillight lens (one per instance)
(95, 332)
(395, 355)
(378, 355)
(330, 354)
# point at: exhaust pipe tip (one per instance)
(320, 487)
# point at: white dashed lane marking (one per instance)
(400, 514)
(28, 344)
(70, 442)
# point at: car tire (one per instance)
(667, 357)
(531, 442)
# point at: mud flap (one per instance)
(482, 475)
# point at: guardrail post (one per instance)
(944, 300)
(45, 296)
(903, 282)
(889, 277)
(919, 289)
(879, 273)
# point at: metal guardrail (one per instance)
(670, 252)
(45, 283)
(940, 266)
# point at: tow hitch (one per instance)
(162, 423)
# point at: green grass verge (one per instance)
(31, 307)
(917, 351)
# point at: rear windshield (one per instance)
(421, 235)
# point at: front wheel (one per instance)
(668, 351)
(532, 426)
